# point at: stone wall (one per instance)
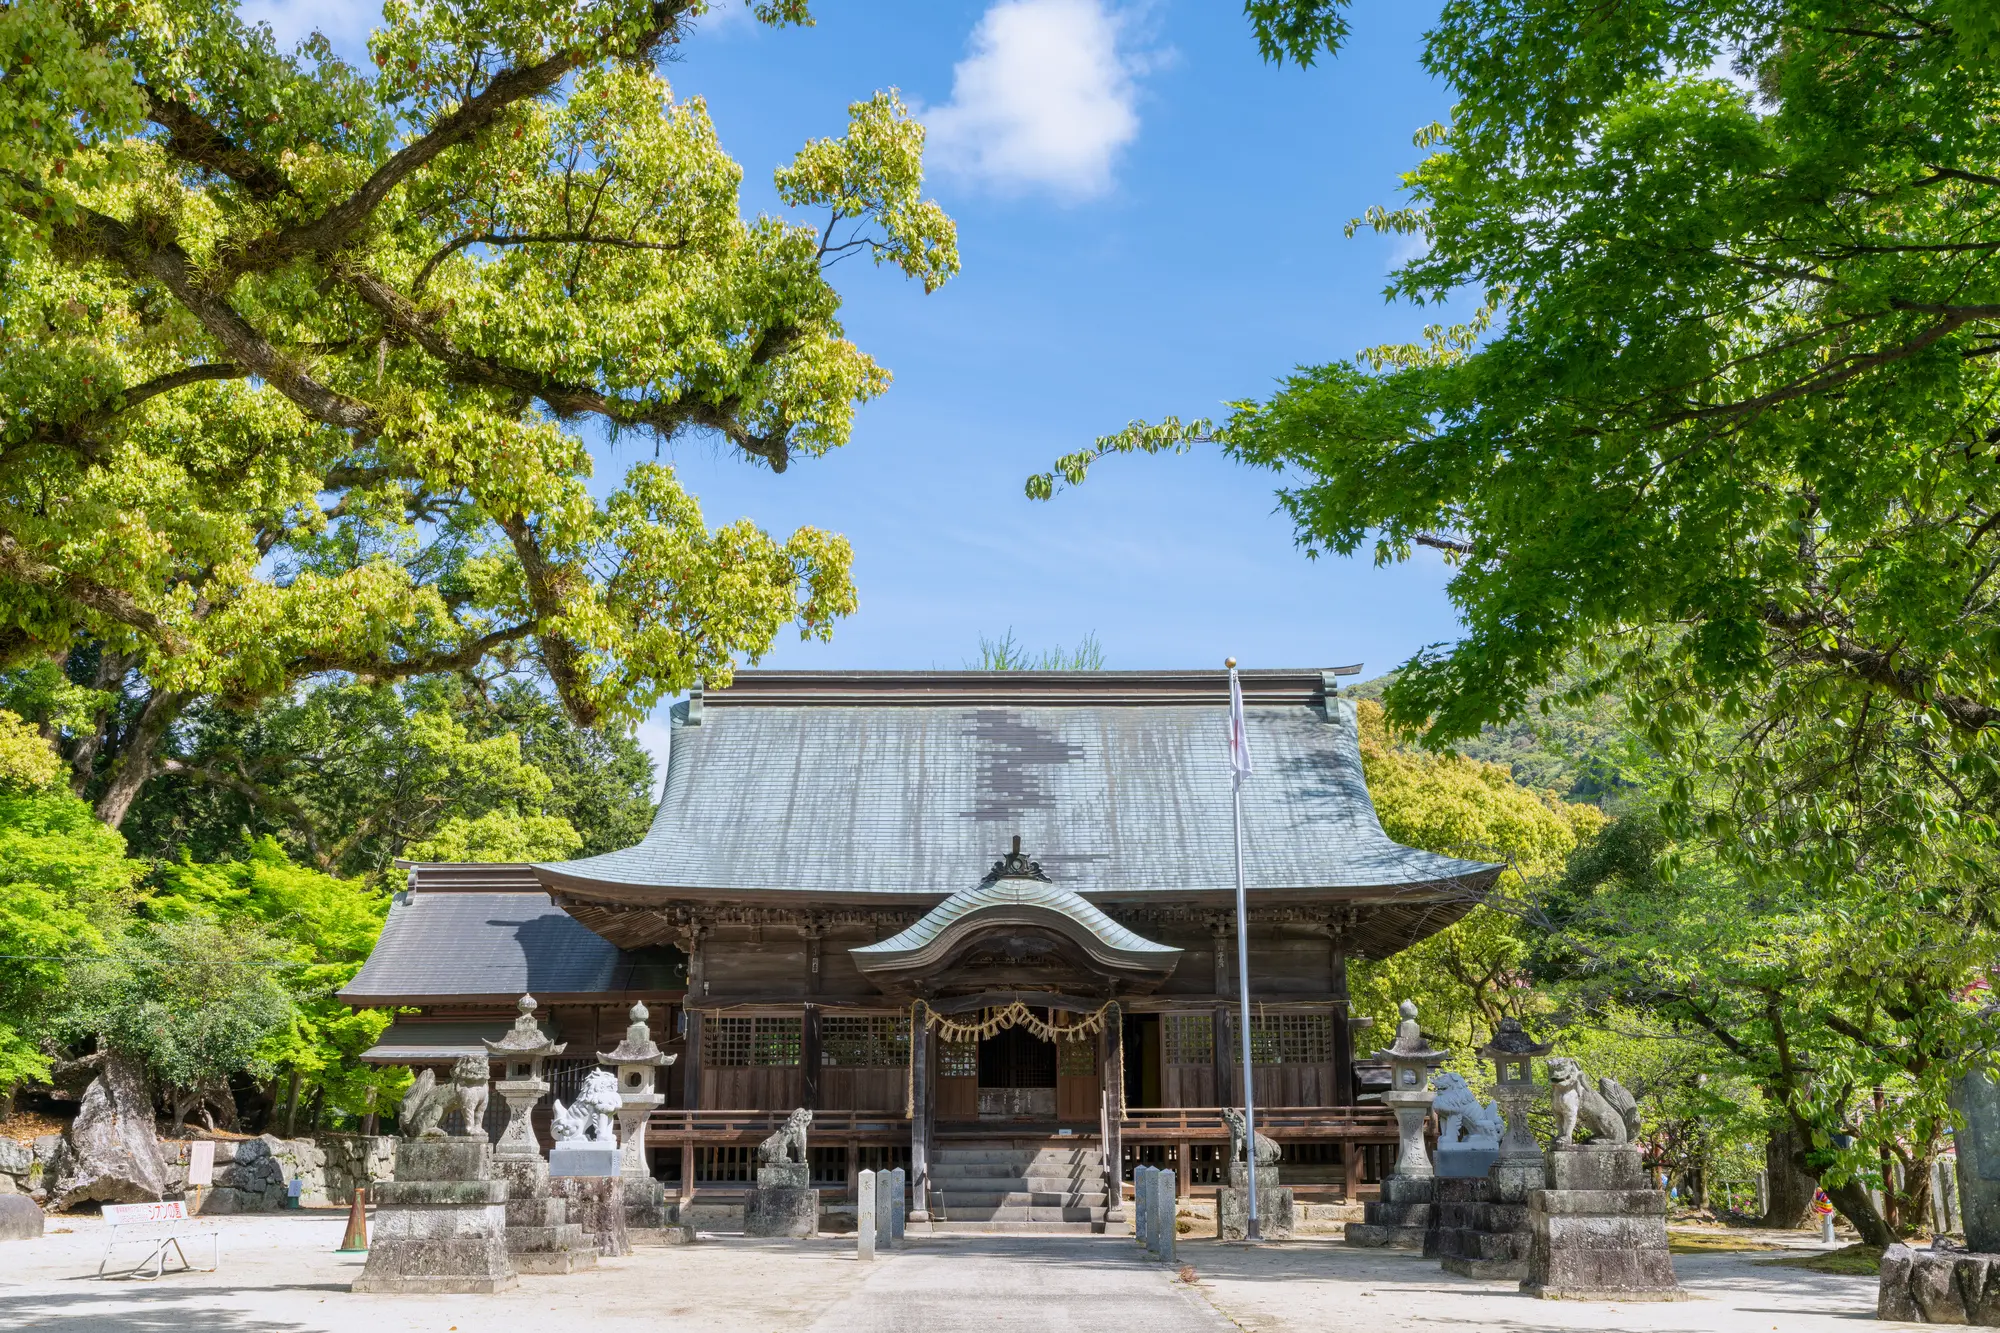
(24, 1163)
(354, 1160)
(252, 1175)
(1939, 1287)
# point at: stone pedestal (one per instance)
(540, 1236)
(1276, 1215)
(783, 1203)
(1482, 1229)
(1599, 1231)
(596, 1204)
(1939, 1287)
(441, 1224)
(1462, 1162)
(1399, 1219)
(584, 1159)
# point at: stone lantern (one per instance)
(638, 1062)
(517, 1059)
(1409, 1095)
(1513, 1054)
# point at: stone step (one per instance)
(1011, 1171)
(1019, 1212)
(952, 1200)
(1005, 1153)
(1017, 1228)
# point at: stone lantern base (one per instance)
(1400, 1218)
(1482, 1226)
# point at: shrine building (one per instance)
(949, 910)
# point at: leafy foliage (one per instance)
(296, 356)
(323, 929)
(65, 884)
(1470, 975)
(194, 1000)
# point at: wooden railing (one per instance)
(1195, 1123)
(755, 1126)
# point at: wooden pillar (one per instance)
(1112, 1054)
(691, 1064)
(1350, 1181)
(687, 1173)
(809, 1059)
(1184, 1154)
(1343, 1035)
(920, 1119)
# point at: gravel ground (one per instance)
(279, 1275)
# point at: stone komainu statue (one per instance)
(1608, 1111)
(789, 1143)
(588, 1118)
(1267, 1149)
(427, 1103)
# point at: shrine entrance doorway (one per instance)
(1017, 1077)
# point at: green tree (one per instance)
(352, 776)
(1473, 973)
(1850, 1012)
(295, 357)
(323, 929)
(196, 1001)
(65, 888)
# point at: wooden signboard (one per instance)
(201, 1163)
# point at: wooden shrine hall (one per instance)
(952, 909)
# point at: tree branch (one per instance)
(112, 603)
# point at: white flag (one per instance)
(1239, 740)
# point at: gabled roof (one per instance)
(862, 783)
(481, 947)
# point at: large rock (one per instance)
(110, 1153)
(19, 1218)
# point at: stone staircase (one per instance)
(1013, 1185)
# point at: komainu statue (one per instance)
(1267, 1149)
(1608, 1111)
(1468, 1122)
(424, 1107)
(789, 1143)
(588, 1119)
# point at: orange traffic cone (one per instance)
(356, 1239)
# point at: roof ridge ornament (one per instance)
(1016, 865)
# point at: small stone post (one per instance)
(1163, 1233)
(864, 1216)
(1141, 1205)
(885, 1233)
(898, 1205)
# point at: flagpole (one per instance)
(1240, 746)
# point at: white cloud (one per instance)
(1044, 100)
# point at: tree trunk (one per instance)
(292, 1106)
(1854, 1204)
(137, 759)
(107, 679)
(1789, 1198)
(7, 1091)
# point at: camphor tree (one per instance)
(297, 359)
(1724, 428)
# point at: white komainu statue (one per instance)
(1608, 1111)
(1468, 1122)
(789, 1143)
(427, 1103)
(588, 1118)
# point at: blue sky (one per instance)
(1150, 220)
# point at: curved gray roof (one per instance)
(1016, 893)
(909, 782)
